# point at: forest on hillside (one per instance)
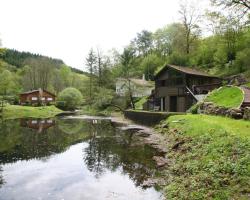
(216, 41)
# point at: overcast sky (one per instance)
(67, 29)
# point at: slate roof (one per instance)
(186, 70)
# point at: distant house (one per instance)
(178, 88)
(139, 87)
(37, 96)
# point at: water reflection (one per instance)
(72, 159)
(18, 141)
(1, 177)
(38, 124)
(109, 150)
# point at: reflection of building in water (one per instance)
(38, 124)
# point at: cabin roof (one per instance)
(34, 91)
(185, 70)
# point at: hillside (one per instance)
(228, 97)
(22, 71)
(18, 59)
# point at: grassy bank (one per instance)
(14, 112)
(228, 97)
(209, 158)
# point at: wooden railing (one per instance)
(204, 89)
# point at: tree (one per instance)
(66, 75)
(144, 42)
(99, 67)
(229, 28)
(242, 6)
(169, 39)
(149, 65)
(91, 61)
(71, 97)
(7, 85)
(126, 62)
(190, 18)
(39, 72)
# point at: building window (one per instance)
(43, 98)
(162, 83)
(33, 98)
(49, 99)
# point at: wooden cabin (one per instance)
(178, 88)
(39, 96)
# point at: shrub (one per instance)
(103, 98)
(194, 109)
(71, 97)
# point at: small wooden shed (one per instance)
(39, 96)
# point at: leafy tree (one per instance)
(169, 39)
(242, 60)
(126, 60)
(91, 61)
(144, 42)
(103, 98)
(149, 65)
(7, 85)
(71, 97)
(39, 72)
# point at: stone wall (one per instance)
(210, 109)
(246, 113)
(147, 118)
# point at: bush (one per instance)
(194, 109)
(103, 98)
(71, 98)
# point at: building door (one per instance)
(173, 103)
(163, 104)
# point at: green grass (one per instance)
(229, 97)
(248, 85)
(212, 160)
(14, 112)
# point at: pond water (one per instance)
(71, 159)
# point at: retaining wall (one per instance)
(148, 118)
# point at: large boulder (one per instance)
(235, 113)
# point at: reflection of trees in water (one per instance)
(111, 150)
(70, 126)
(19, 143)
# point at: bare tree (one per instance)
(190, 18)
(241, 6)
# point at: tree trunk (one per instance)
(131, 96)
